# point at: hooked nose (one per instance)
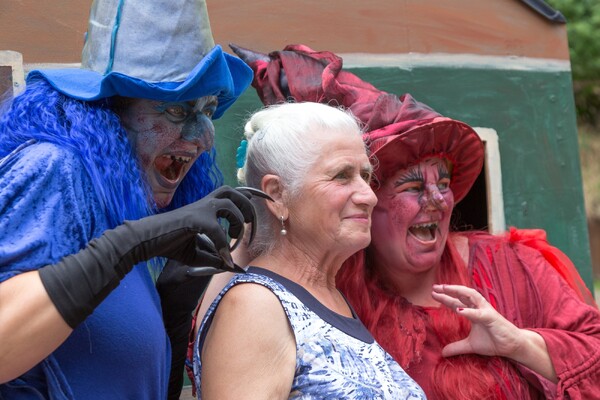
(199, 130)
(434, 199)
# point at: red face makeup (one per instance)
(168, 137)
(412, 217)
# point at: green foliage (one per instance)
(583, 28)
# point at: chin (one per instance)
(425, 262)
(360, 244)
(163, 201)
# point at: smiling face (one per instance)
(333, 213)
(168, 137)
(412, 218)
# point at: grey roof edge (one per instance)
(542, 8)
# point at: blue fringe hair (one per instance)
(93, 131)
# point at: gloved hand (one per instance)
(80, 282)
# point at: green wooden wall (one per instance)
(533, 113)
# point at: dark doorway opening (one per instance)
(471, 213)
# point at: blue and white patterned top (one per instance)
(336, 356)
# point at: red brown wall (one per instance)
(44, 31)
(491, 27)
(53, 31)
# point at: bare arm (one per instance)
(492, 334)
(250, 350)
(25, 311)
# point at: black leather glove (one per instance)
(80, 282)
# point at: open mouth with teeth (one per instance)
(171, 167)
(424, 232)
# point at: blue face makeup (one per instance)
(195, 118)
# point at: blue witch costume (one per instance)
(68, 173)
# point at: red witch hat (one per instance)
(400, 131)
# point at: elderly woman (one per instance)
(283, 330)
(515, 325)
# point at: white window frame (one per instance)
(493, 180)
(14, 60)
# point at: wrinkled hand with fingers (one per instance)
(491, 334)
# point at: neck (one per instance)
(414, 287)
(316, 275)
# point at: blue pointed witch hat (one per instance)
(151, 49)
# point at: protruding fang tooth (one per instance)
(182, 160)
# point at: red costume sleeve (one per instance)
(536, 238)
(533, 294)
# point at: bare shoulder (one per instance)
(240, 295)
(252, 309)
(250, 349)
(252, 298)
